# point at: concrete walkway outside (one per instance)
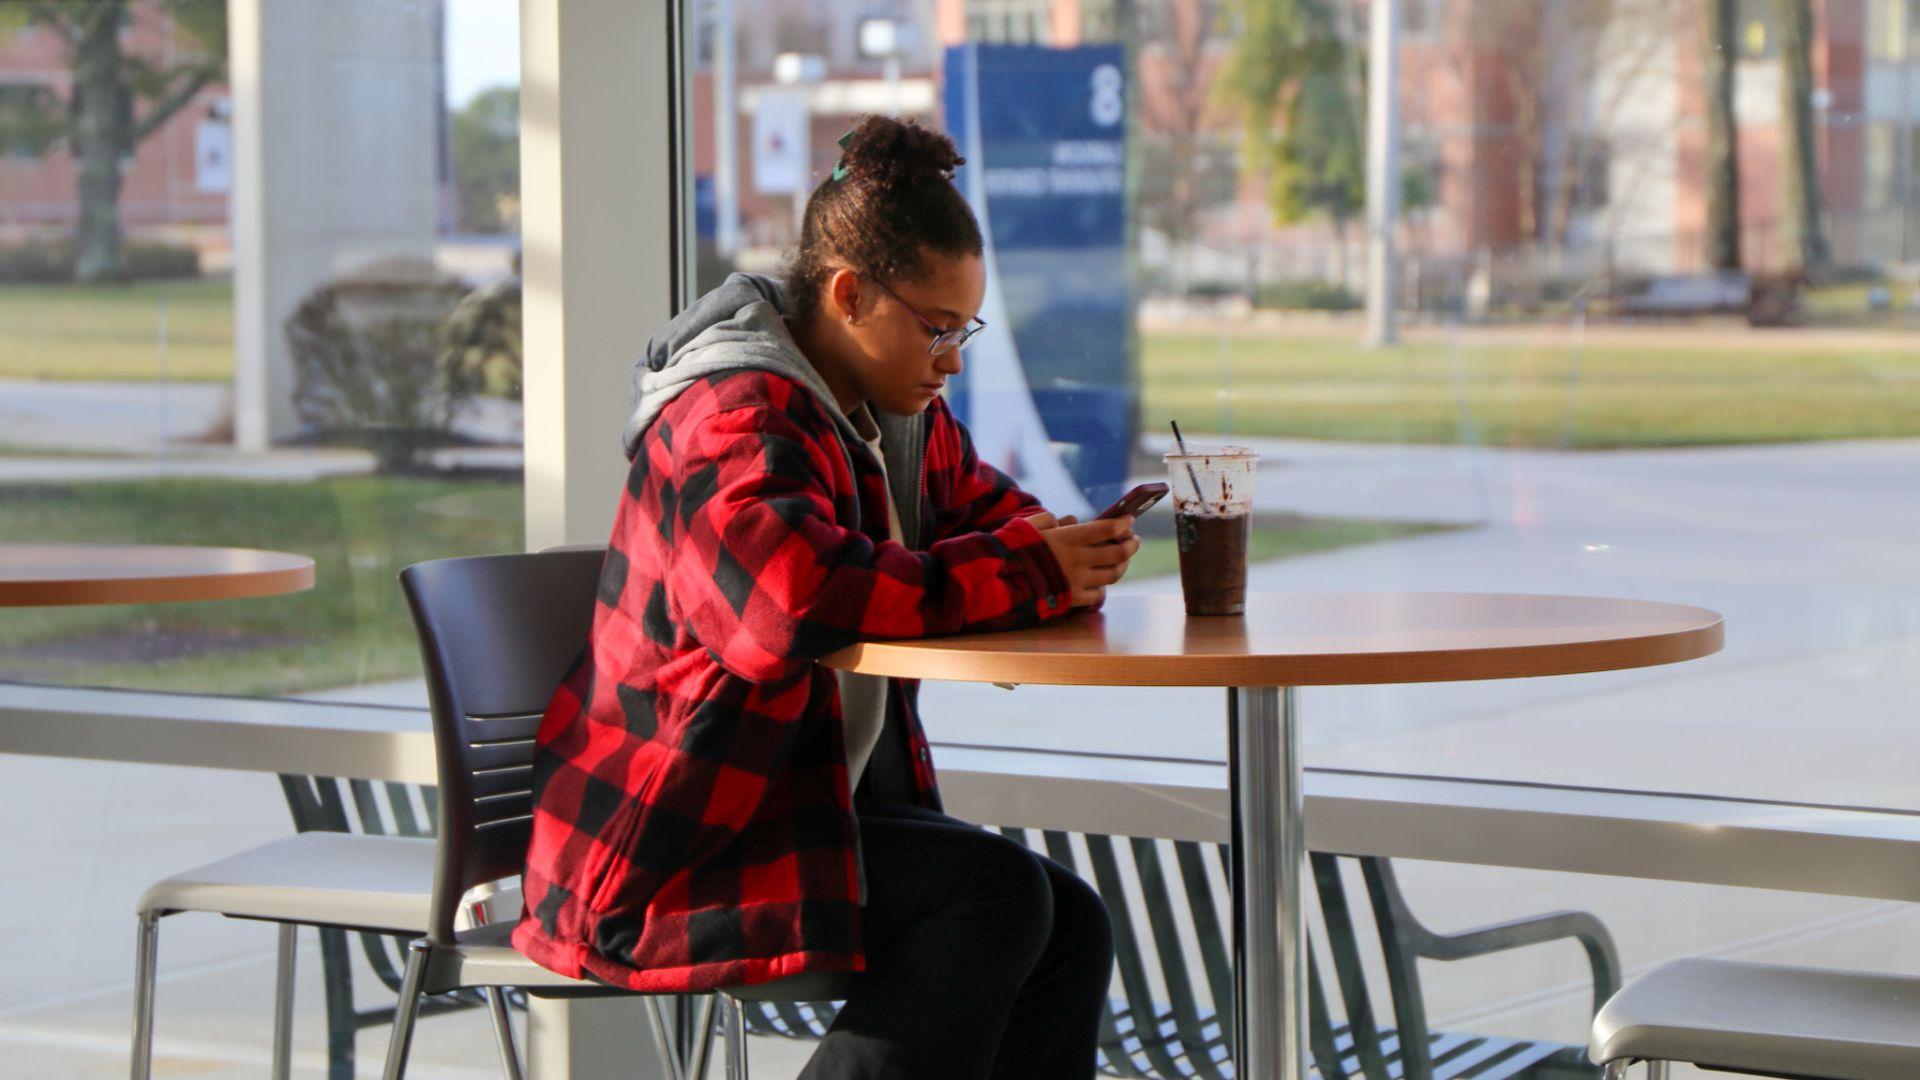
(170, 423)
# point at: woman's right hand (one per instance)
(1093, 554)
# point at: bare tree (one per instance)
(1625, 48)
(118, 100)
(1552, 55)
(1805, 238)
(1718, 58)
(1174, 110)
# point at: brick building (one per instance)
(1546, 126)
(174, 187)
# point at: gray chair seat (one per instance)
(350, 880)
(340, 879)
(354, 881)
(485, 956)
(1765, 1018)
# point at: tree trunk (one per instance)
(1723, 147)
(1804, 236)
(99, 138)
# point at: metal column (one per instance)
(1383, 171)
(1269, 852)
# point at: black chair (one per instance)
(497, 635)
(1182, 1037)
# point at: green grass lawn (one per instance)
(1617, 395)
(113, 332)
(351, 628)
(1275, 536)
(1704, 391)
(1845, 304)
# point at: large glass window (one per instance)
(1596, 388)
(288, 323)
(258, 288)
(1571, 406)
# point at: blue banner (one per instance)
(1044, 134)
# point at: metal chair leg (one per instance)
(145, 954)
(703, 1041)
(1657, 1070)
(283, 1004)
(668, 1052)
(736, 1021)
(478, 913)
(407, 1009)
(503, 1032)
(1615, 1069)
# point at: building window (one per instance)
(1011, 22)
(29, 119)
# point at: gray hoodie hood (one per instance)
(740, 325)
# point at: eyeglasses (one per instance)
(943, 340)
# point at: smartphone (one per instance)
(1135, 502)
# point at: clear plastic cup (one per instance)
(1213, 521)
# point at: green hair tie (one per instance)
(840, 169)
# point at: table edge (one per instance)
(1332, 669)
(237, 585)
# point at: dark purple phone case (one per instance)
(1135, 502)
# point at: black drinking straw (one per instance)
(1182, 444)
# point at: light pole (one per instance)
(884, 40)
(1383, 168)
(726, 140)
(795, 72)
(1904, 155)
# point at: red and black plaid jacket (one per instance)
(693, 826)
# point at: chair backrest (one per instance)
(1167, 1022)
(497, 634)
(1161, 1026)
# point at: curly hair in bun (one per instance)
(894, 202)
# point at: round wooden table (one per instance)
(49, 575)
(1288, 640)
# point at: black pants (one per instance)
(984, 959)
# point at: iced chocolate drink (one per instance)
(1213, 561)
(1212, 514)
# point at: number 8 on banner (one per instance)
(1106, 107)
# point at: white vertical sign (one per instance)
(213, 156)
(782, 149)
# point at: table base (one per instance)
(1268, 854)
